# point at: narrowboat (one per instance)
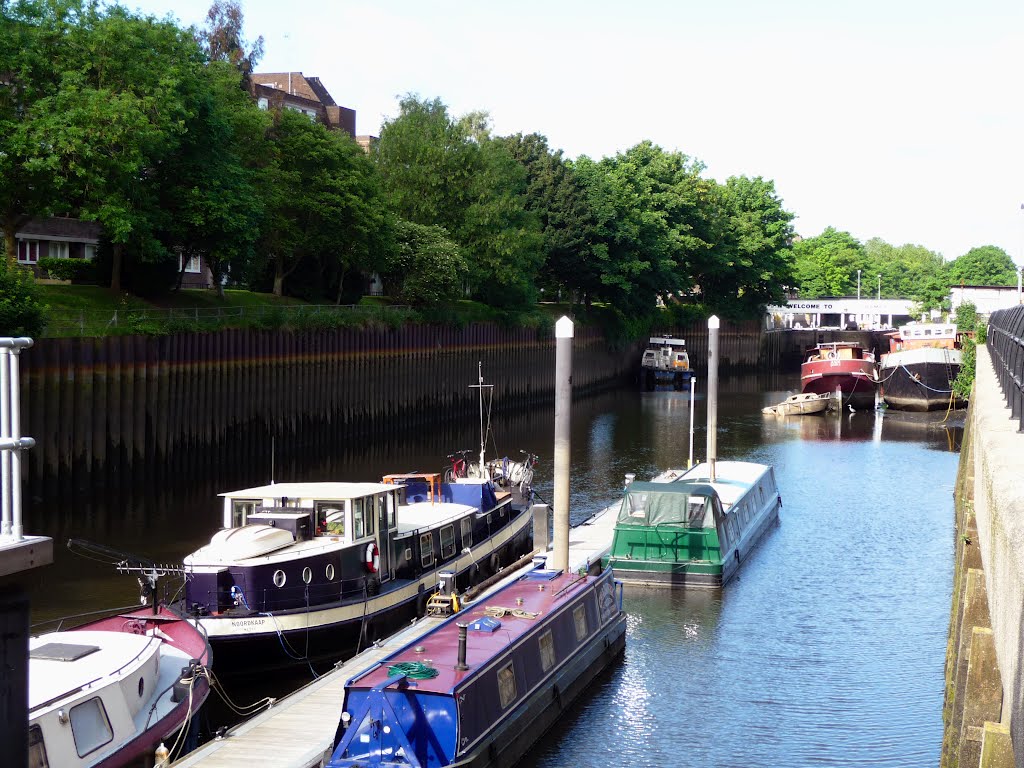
(110, 691)
(665, 362)
(305, 572)
(918, 372)
(841, 366)
(478, 690)
(685, 529)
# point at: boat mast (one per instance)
(480, 386)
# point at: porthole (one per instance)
(330, 572)
(279, 578)
(142, 686)
(307, 575)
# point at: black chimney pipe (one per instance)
(461, 666)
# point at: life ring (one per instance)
(831, 355)
(372, 557)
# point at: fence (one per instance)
(1006, 344)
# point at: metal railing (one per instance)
(103, 322)
(1006, 347)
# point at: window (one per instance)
(390, 501)
(89, 252)
(506, 686)
(90, 726)
(447, 541)
(547, 651)
(579, 617)
(370, 516)
(263, 103)
(467, 531)
(330, 518)
(28, 251)
(58, 250)
(240, 511)
(279, 579)
(357, 518)
(426, 550)
(36, 748)
(191, 264)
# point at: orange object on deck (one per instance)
(433, 480)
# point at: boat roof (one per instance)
(61, 663)
(319, 491)
(440, 647)
(423, 514)
(667, 340)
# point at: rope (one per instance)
(918, 381)
(414, 670)
(245, 710)
(498, 612)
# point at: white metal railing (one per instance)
(11, 441)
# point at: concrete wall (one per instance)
(985, 691)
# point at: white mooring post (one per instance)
(563, 420)
(712, 395)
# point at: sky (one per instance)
(897, 119)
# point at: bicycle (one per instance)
(459, 467)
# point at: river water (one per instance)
(827, 649)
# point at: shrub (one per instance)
(75, 270)
(22, 313)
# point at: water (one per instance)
(827, 649)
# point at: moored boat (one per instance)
(800, 404)
(918, 372)
(684, 529)
(108, 692)
(315, 571)
(841, 366)
(478, 690)
(665, 362)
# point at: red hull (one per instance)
(855, 378)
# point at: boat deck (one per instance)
(298, 732)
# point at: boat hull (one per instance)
(855, 379)
(245, 640)
(803, 404)
(920, 379)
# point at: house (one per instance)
(985, 298)
(56, 238)
(295, 91)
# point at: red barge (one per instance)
(843, 366)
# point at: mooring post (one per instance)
(712, 394)
(563, 407)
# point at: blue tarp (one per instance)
(480, 495)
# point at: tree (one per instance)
(827, 265)
(426, 268)
(33, 57)
(22, 312)
(222, 39)
(985, 265)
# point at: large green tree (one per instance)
(826, 265)
(985, 265)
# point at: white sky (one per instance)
(899, 119)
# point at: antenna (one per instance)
(480, 386)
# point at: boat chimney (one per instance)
(461, 665)
(563, 408)
(713, 324)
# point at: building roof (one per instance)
(60, 228)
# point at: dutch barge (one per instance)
(481, 688)
(844, 367)
(683, 529)
(304, 572)
(918, 372)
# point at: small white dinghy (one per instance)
(801, 404)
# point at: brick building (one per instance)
(293, 90)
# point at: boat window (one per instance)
(506, 686)
(697, 507)
(36, 748)
(382, 510)
(357, 518)
(330, 518)
(370, 516)
(90, 726)
(329, 572)
(547, 651)
(279, 579)
(307, 575)
(426, 550)
(391, 501)
(467, 531)
(579, 617)
(447, 541)
(240, 510)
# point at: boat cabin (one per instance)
(665, 353)
(838, 350)
(919, 335)
(668, 521)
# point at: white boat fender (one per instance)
(162, 757)
(183, 685)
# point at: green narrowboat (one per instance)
(683, 529)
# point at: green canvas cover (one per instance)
(683, 504)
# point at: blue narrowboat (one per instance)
(478, 690)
